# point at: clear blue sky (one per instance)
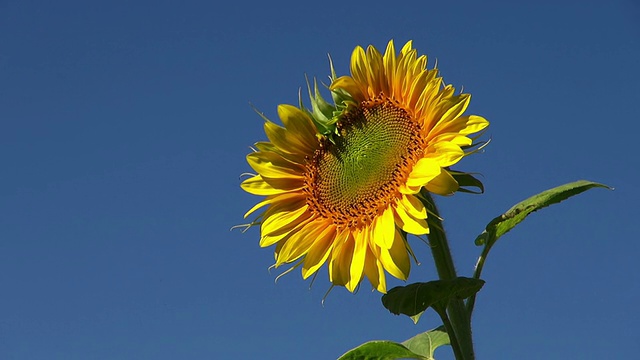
(123, 131)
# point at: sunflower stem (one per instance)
(476, 275)
(458, 315)
(452, 335)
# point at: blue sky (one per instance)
(124, 127)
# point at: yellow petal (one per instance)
(457, 106)
(444, 153)
(287, 142)
(443, 184)
(297, 158)
(461, 141)
(299, 242)
(274, 199)
(407, 47)
(357, 262)
(396, 259)
(341, 258)
(267, 201)
(265, 146)
(375, 272)
(389, 59)
(423, 171)
(359, 65)
(347, 84)
(428, 97)
(257, 186)
(283, 233)
(418, 91)
(414, 207)
(375, 76)
(463, 125)
(319, 251)
(282, 217)
(410, 224)
(384, 229)
(272, 165)
(409, 190)
(298, 122)
(474, 124)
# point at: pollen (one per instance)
(356, 177)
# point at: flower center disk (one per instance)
(357, 176)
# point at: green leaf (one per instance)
(412, 300)
(507, 221)
(467, 182)
(426, 343)
(380, 350)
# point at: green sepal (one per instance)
(260, 113)
(412, 300)
(467, 182)
(322, 113)
(340, 96)
(380, 350)
(325, 115)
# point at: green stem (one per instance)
(452, 335)
(471, 302)
(460, 319)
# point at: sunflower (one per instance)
(343, 183)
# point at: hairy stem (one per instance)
(455, 345)
(471, 302)
(460, 319)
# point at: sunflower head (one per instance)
(342, 181)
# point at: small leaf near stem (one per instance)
(426, 343)
(380, 350)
